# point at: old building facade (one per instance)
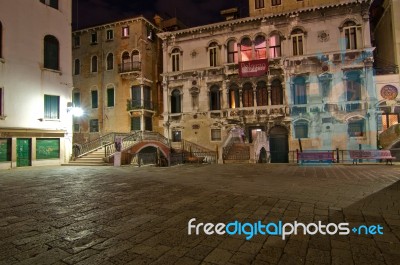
(35, 82)
(115, 73)
(288, 75)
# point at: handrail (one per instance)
(192, 147)
(85, 148)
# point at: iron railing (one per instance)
(129, 67)
(140, 104)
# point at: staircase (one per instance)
(238, 153)
(93, 158)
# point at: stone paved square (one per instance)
(131, 215)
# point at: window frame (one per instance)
(176, 101)
(299, 91)
(176, 136)
(109, 34)
(93, 125)
(360, 123)
(350, 29)
(215, 98)
(175, 59)
(110, 62)
(77, 41)
(108, 97)
(94, 38)
(301, 127)
(77, 67)
(276, 2)
(76, 100)
(94, 99)
(260, 48)
(234, 97)
(213, 54)
(258, 4)
(262, 93)
(94, 64)
(277, 48)
(233, 55)
(298, 44)
(50, 109)
(51, 53)
(217, 131)
(125, 31)
(247, 95)
(246, 51)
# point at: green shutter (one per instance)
(77, 99)
(51, 107)
(110, 97)
(47, 148)
(135, 124)
(94, 99)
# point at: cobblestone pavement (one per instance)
(128, 215)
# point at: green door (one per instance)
(23, 152)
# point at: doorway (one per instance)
(279, 145)
(23, 152)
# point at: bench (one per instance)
(316, 157)
(371, 154)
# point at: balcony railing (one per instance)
(129, 67)
(136, 104)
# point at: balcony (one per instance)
(139, 105)
(129, 67)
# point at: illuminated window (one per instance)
(94, 38)
(175, 59)
(95, 99)
(51, 3)
(110, 34)
(215, 98)
(77, 67)
(51, 107)
(275, 46)
(275, 2)
(259, 4)
(297, 36)
(260, 47)
(234, 98)
(176, 101)
(215, 134)
(51, 53)
(94, 64)
(110, 61)
(213, 54)
(110, 97)
(247, 95)
(94, 125)
(301, 129)
(232, 52)
(299, 91)
(262, 94)
(246, 50)
(350, 34)
(125, 31)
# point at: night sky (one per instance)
(88, 13)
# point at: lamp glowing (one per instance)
(76, 111)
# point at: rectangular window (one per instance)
(94, 38)
(5, 149)
(136, 93)
(356, 128)
(301, 130)
(125, 31)
(275, 2)
(51, 3)
(47, 148)
(215, 134)
(135, 124)
(95, 99)
(1, 102)
(148, 124)
(176, 136)
(213, 56)
(77, 41)
(94, 125)
(351, 38)
(259, 4)
(76, 99)
(110, 34)
(110, 97)
(297, 44)
(77, 128)
(51, 107)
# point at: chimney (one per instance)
(230, 14)
(158, 20)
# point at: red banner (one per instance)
(253, 68)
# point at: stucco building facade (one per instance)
(274, 78)
(35, 82)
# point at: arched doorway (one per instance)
(278, 144)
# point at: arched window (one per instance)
(94, 64)
(274, 46)
(212, 49)
(77, 67)
(234, 99)
(262, 94)
(260, 47)
(215, 98)
(350, 35)
(246, 50)
(176, 101)
(126, 62)
(51, 53)
(276, 93)
(248, 96)
(301, 129)
(135, 60)
(356, 127)
(299, 91)
(110, 61)
(297, 36)
(232, 52)
(175, 59)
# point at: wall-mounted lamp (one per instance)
(75, 111)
